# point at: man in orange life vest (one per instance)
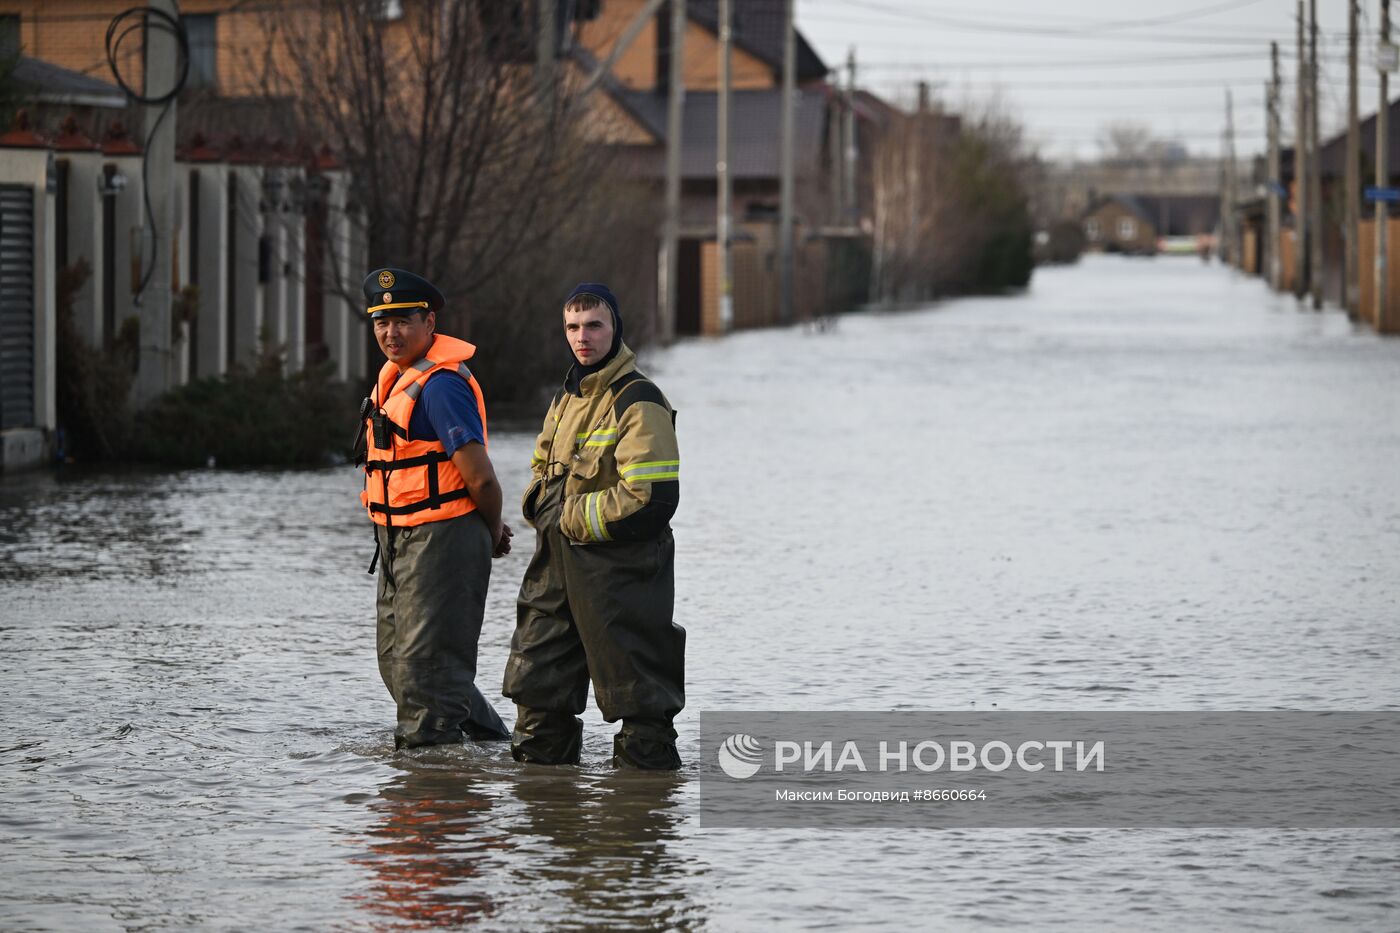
(436, 506)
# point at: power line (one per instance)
(1214, 83)
(1086, 24)
(1041, 30)
(1142, 61)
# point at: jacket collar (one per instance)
(443, 349)
(597, 383)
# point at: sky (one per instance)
(1065, 68)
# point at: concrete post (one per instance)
(294, 275)
(127, 255)
(274, 280)
(181, 352)
(358, 264)
(1351, 283)
(1300, 169)
(85, 238)
(1274, 207)
(675, 109)
(45, 289)
(210, 268)
(1382, 181)
(154, 373)
(341, 337)
(787, 169)
(725, 220)
(246, 302)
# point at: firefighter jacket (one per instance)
(411, 482)
(614, 447)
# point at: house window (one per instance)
(9, 37)
(1127, 228)
(1091, 229)
(202, 31)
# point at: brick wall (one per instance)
(636, 69)
(251, 45)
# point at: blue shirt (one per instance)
(446, 412)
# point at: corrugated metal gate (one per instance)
(16, 306)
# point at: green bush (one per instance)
(249, 418)
(260, 417)
(1064, 243)
(93, 384)
(995, 209)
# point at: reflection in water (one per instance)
(606, 846)
(565, 844)
(427, 850)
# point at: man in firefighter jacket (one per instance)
(436, 506)
(597, 598)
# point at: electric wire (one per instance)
(144, 19)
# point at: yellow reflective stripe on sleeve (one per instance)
(651, 471)
(596, 524)
(538, 456)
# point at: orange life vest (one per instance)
(412, 482)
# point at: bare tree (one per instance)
(1128, 142)
(458, 161)
(948, 193)
(465, 167)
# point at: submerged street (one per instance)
(1141, 485)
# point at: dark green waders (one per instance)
(600, 611)
(432, 597)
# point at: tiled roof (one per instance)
(1169, 214)
(758, 29)
(754, 130)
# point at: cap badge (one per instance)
(386, 279)
(388, 297)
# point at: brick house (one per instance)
(1134, 224)
(636, 89)
(1120, 224)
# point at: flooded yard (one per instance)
(1141, 485)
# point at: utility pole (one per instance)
(788, 169)
(913, 167)
(1352, 286)
(155, 359)
(1273, 207)
(725, 220)
(1300, 170)
(1229, 227)
(835, 144)
(1382, 176)
(848, 164)
(1315, 276)
(670, 247)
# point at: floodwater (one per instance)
(1141, 485)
